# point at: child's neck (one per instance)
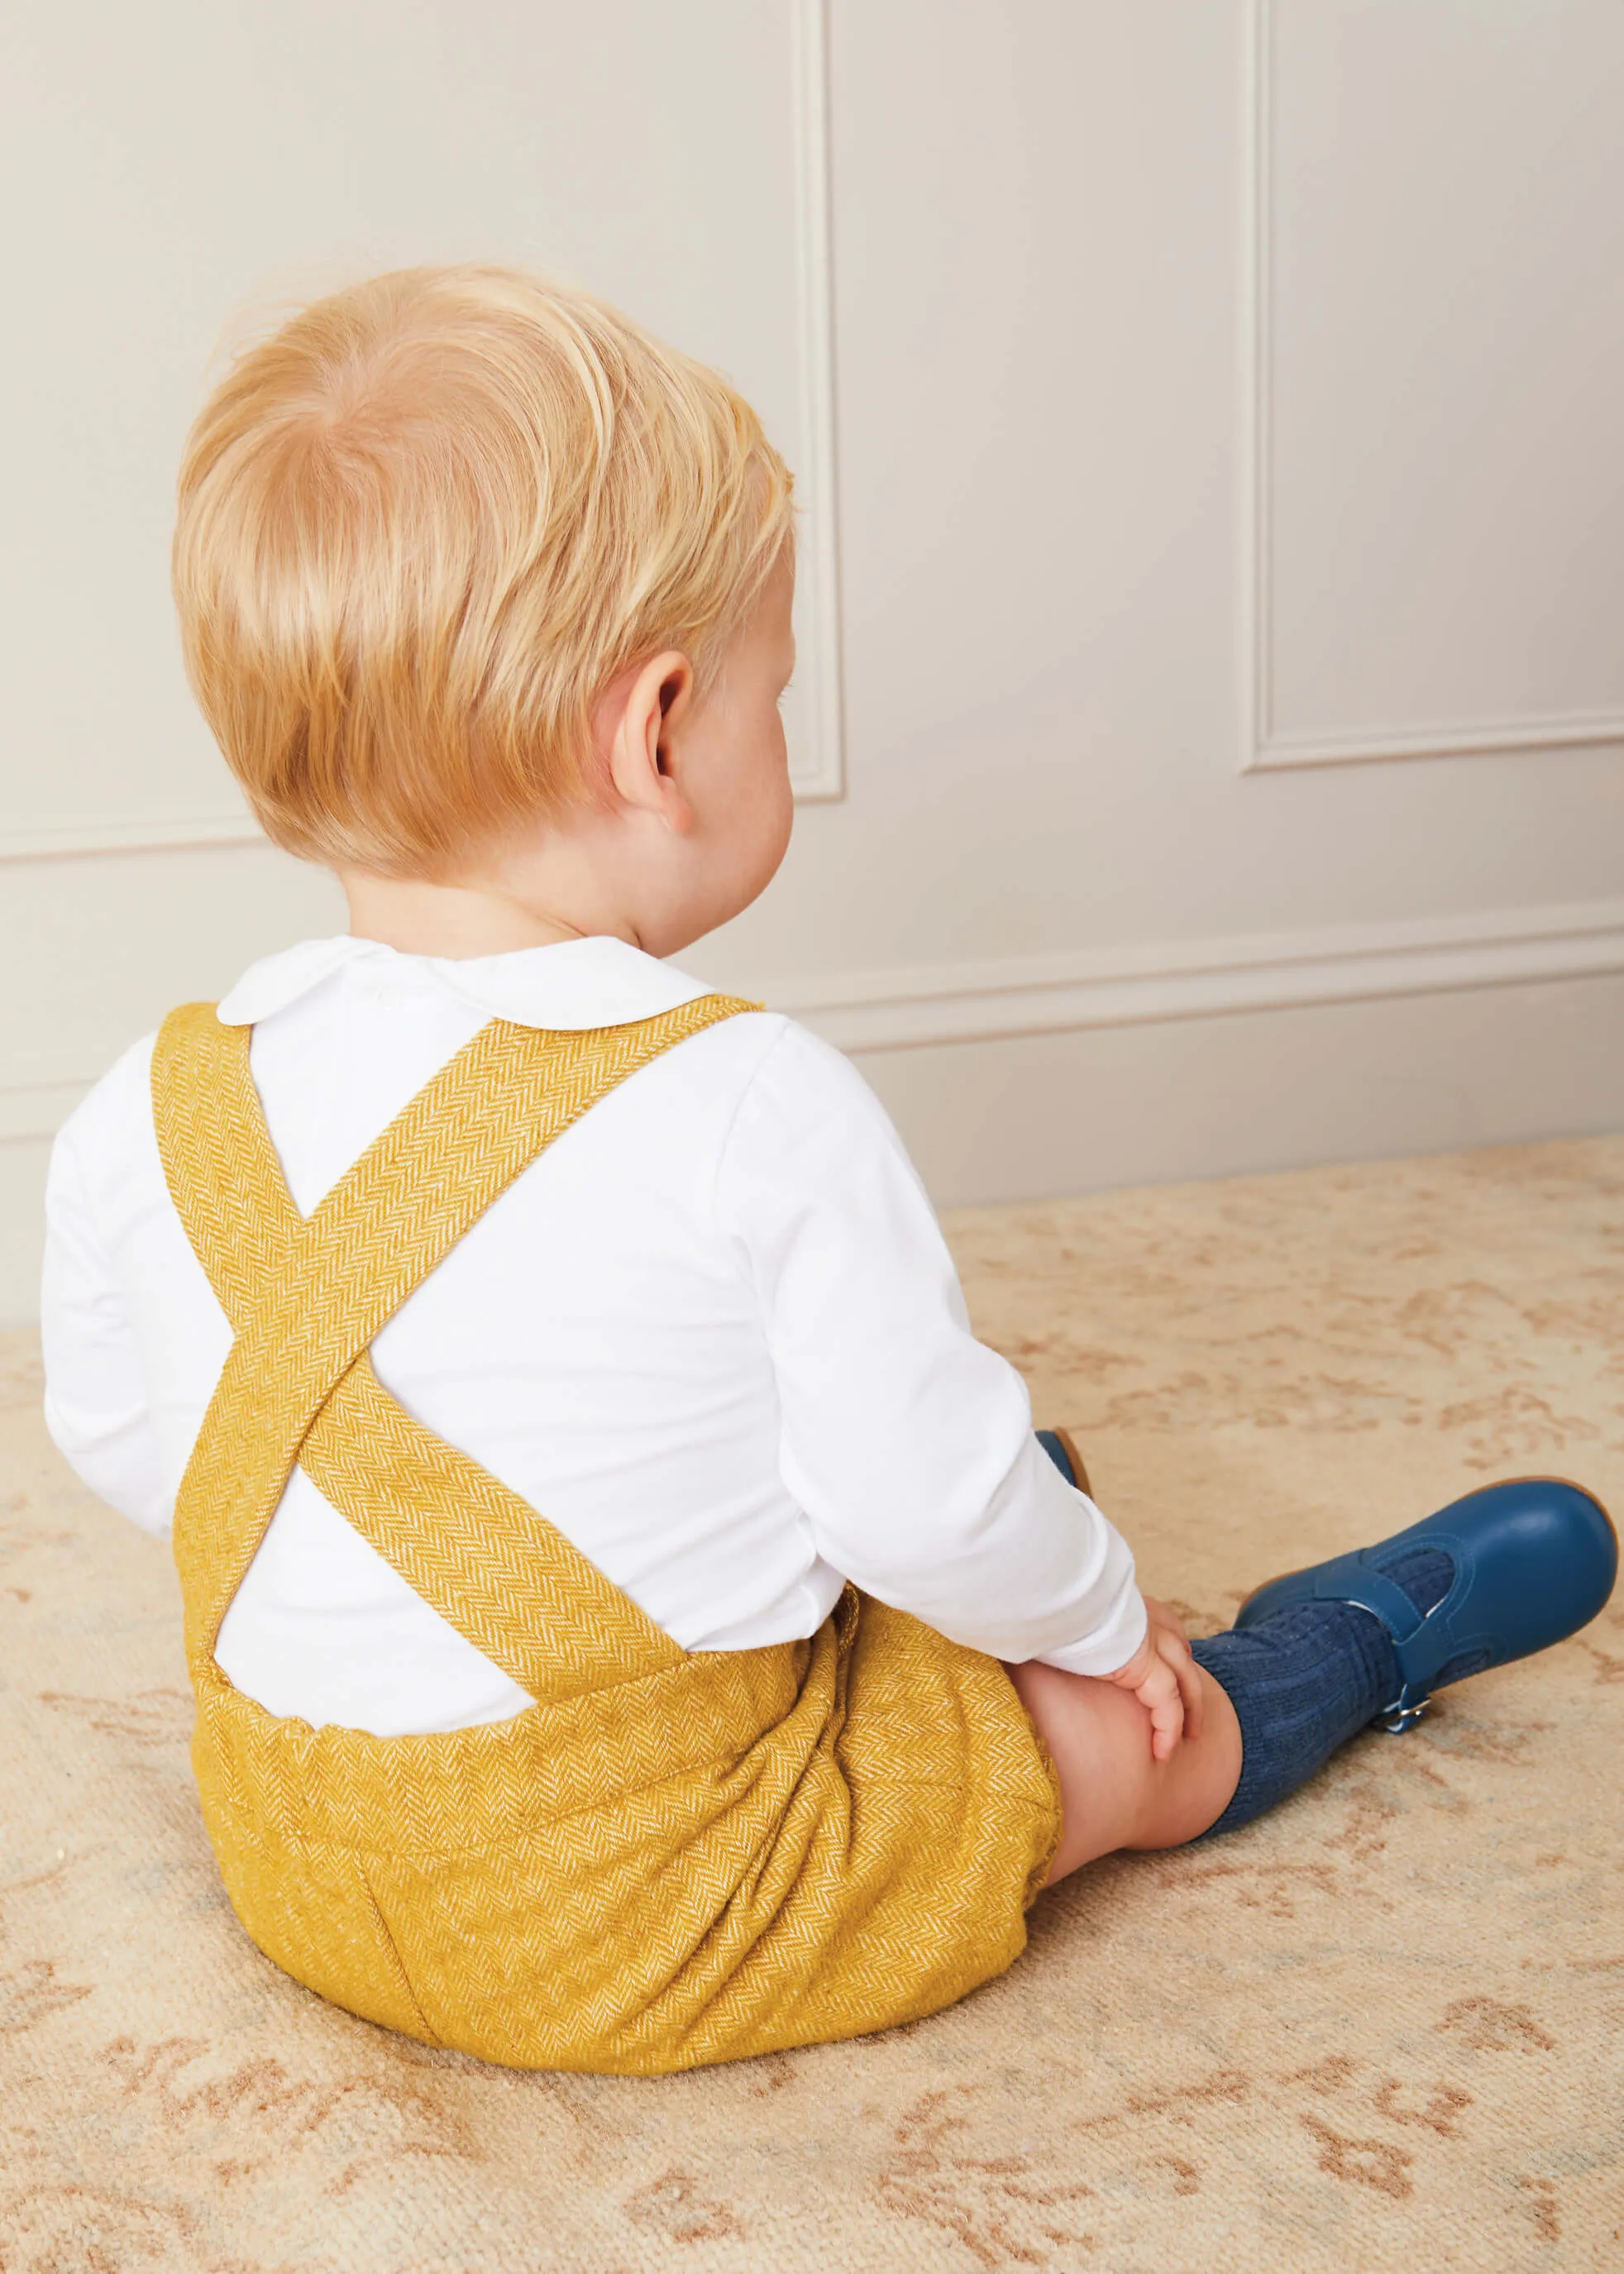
(421, 917)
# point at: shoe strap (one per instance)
(1349, 1579)
(1423, 1642)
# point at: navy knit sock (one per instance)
(1306, 1680)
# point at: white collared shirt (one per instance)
(713, 1333)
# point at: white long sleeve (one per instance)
(96, 1405)
(907, 1442)
(713, 1334)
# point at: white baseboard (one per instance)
(1001, 997)
(1197, 979)
(1037, 1080)
(1042, 1116)
(38, 1107)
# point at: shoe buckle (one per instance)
(1403, 1714)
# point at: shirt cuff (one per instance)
(1106, 1649)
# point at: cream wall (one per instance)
(1212, 413)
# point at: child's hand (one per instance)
(1162, 1675)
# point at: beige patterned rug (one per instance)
(1379, 2031)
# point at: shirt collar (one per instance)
(574, 983)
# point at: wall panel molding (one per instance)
(1262, 748)
(1004, 997)
(819, 775)
(64, 840)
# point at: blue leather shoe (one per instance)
(1534, 1559)
(1058, 1444)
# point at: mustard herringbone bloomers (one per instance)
(672, 1857)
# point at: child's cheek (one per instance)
(782, 821)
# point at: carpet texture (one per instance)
(1378, 2029)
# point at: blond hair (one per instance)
(424, 524)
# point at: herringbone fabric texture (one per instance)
(672, 1858)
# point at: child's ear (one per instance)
(656, 700)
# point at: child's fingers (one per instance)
(1188, 1676)
(1163, 1700)
(1129, 1676)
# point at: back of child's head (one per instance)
(423, 524)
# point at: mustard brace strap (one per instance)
(305, 1296)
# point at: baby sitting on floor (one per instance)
(633, 1622)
